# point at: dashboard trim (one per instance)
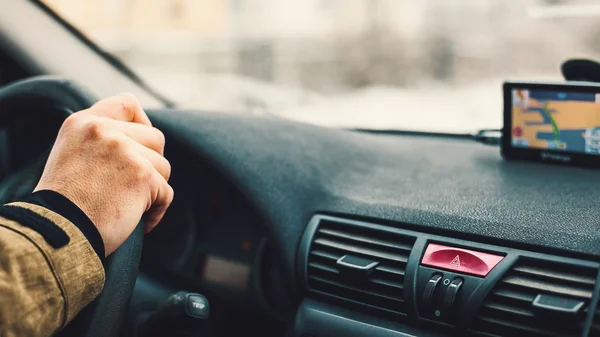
(469, 309)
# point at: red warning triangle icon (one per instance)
(455, 261)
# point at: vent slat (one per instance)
(584, 280)
(383, 289)
(392, 284)
(379, 281)
(510, 328)
(363, 251)
(509, 309)
(515, 295)
(361, 290)
(547, 287)
(388, 285)
(366, 239)
(323, 267)
(395, 271)
(325, 255)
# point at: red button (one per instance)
(460, 260)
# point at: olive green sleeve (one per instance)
(42, 288)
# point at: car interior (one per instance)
(282, 228)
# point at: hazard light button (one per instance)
(460, 260)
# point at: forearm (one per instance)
(46, 277)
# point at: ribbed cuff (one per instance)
(60, 204)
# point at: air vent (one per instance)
(378, 283)
(538, 298)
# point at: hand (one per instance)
(109, 161)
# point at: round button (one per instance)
(446, 281)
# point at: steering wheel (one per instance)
(105, 315)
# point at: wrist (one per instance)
(60, 204)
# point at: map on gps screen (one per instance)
(555, 120)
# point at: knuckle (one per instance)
(93, 128)
(142, 173)
(113, 144)
(72, 122)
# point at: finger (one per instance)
(124, 107)
(164, 197)
(147, 136)
(160, 163)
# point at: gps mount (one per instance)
(581, 70)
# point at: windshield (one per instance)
(421, 65)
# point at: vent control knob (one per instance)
(557, 305)
(356, 266)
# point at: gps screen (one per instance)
(556, 120)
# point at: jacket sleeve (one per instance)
(43, 287)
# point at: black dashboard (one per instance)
(272, 218)
(280, 176)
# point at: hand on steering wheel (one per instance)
(104, 316)
(109, 161)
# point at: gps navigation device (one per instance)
(552, 122)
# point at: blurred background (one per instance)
(428, 65)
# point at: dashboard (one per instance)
(288, 227)
(539, 220)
